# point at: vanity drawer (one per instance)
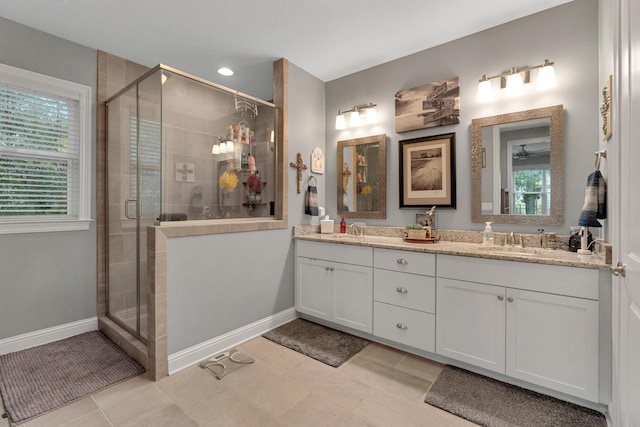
(404, 326)
(405, 290)
(346, 254)
(405, 261)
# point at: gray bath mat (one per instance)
(43, 378)
(224, 363)
(489, 402)
(318, 342)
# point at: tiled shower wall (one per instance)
(193, 117)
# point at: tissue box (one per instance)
(326, 226)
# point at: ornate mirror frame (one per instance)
(555, 114)
(381, 172)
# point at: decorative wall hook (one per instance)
(300, 166)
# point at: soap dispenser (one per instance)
(487, 235)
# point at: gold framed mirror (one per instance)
(362, 177)
(517, 167)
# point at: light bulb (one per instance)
(514, 83)
(354, 119)
(485, 90)
(229, 146)
(341, 122)
(215, 149)
(223, 148)
(372, 116)
(546, 77)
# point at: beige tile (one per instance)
(315, 410)
(386, 378)
(131, 400)
(170, 416)
(232, 410)
(92, 419)
(382, 354)
(66, 413)
(386, 410)
(193, 386)
(420, 367)
(330, 383)
(274, 393)
(279, 357)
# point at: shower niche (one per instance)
(179, 148)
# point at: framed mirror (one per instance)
(517, 167)
(362, 177)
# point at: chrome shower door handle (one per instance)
(126, 209)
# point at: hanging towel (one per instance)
(311, 199)
(595, 203)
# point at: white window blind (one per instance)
(44, 142)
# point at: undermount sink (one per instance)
(528, 252)
(513, 251)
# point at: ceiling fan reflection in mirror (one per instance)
(541, 149)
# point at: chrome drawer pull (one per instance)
(402, 290)
(402, 326)
(402, 261)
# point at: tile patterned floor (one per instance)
(380, 386)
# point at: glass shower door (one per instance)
(133, 185)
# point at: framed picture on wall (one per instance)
(428, 172)
(427, 106)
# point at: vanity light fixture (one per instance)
(514, 79)
(355, 116)
(224, 145)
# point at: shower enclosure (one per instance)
(178, 148)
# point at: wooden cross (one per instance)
(300, 166)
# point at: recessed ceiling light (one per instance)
(225, 71)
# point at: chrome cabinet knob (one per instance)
(510, 299)
(402, 261)
(402, 326)
(500, 298)
(402, 290)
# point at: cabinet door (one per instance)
(552, 341)
(313, 287)
(470, 323)
(353, 296)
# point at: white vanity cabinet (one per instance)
(404, 293)
(537, 323)
(335, 283)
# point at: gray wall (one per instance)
(219, 283)
(47, 279)
(567, 34)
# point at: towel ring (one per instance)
(311, 177)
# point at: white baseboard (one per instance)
(192, 355)
(44, 336)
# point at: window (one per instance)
(532, 191)
(45, 153)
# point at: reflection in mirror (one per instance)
(362, 177)
(517, 167)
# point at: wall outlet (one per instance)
(185, 172)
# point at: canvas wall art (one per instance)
(427, 106)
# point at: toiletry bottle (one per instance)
(487, 235)
(343, 225)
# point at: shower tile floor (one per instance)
(380, 386)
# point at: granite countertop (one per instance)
(462, 243)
